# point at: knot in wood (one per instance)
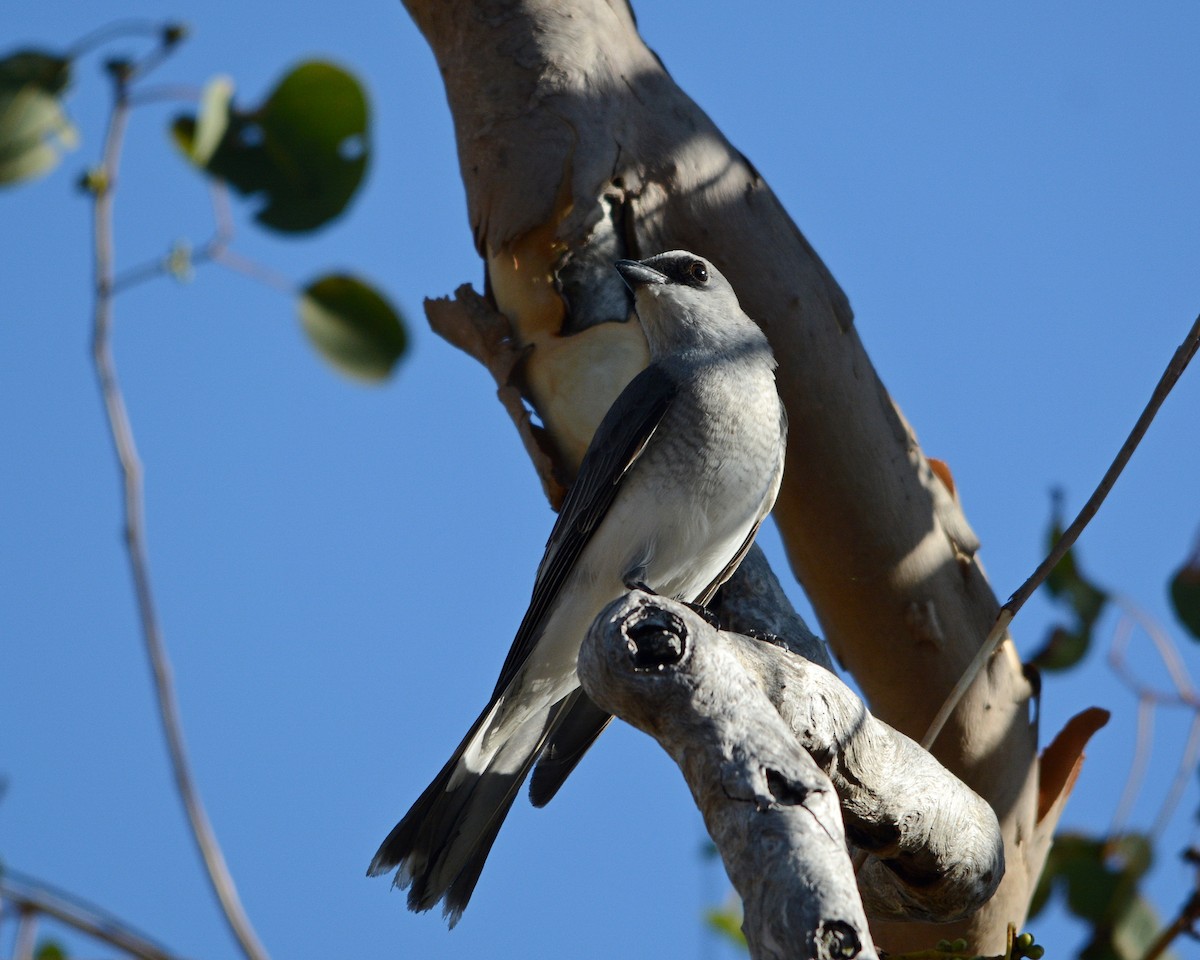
(655, 638)
(836, 940)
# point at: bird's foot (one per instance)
(762, 636)
(703, 612)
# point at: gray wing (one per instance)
(581, 721)
(618, 442)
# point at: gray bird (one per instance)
(671, 491)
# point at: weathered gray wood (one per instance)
(936, 851)
(770, 810)
(719, 702)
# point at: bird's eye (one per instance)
(698, 271)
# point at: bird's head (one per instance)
(685, 303)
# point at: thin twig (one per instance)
(26, 937)
(1167, 650)
(995, 637)
(1149, 699)
(218, 251)
(1137, 770)
(248, 268)
(1188, 916)
(31, 898)
(133, 276)
(111, 31)
(131, 472)
(1183, 776)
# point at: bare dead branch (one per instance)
(771, 812)
(936, 850)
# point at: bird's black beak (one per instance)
(636, 274)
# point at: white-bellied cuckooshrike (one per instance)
(681, 472)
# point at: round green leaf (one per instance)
(33, 125)
(303, 152)
(1185, 595)
(352, 326)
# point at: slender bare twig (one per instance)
(33, 898)
(1184, 688)
(133, 276)
(1184, 922)
(1183, 775)
(131, 472)
(249, 268)
(1167, 381)
(215, 250)
(218, 251)
(1150, 698)
(1137, 770)
(110, 31)
(26, 936)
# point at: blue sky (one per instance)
(1007, 194)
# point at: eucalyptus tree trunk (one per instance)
(576, 148)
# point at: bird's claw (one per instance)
(763, 636)
(704, 613)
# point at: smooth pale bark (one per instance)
(577, 147)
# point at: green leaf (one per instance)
(302, 152)
(1061, 649)
(1135, 929)
(727, 921)
(34, 128)
(49, 950)
(352, 326)
(1185, 595)
(1099, 877)
(1065, 646)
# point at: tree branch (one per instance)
(1178, 363)
(771, 812)
(715, 699)
(121, 432)
(1184, 923)
(31, 897)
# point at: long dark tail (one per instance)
(576, 728)
(439, 848)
